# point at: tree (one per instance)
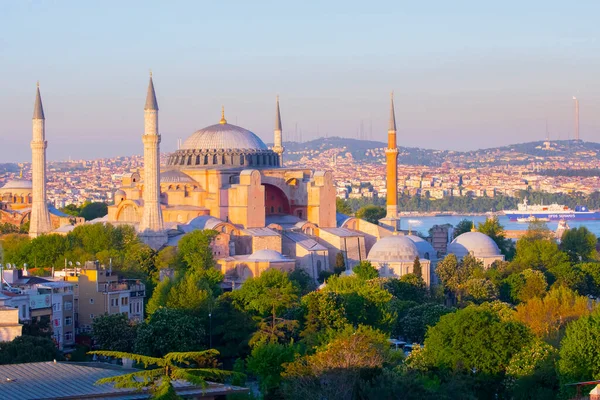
(579, 244)
(167, 330)
(492, 228)
(417, 270)
(525, 285)
(171, 367)
(189, 292)
(47, 250)
(531, 373)
(335, 372)
(14, 248)
(364, 270)
(114, 332)
(547, 316)
(479, 290)
(454, 274)
(418, 319)
(91, 211)
(371, 213)
(340, 263)
(324, 316)
(408, 288)
(25, 349)
(267, 297)
(266, 362)
(71, 209)
(342, 207)
(538, 230)
(302, 281)
(463, 226)
(232, 328)
(474, 339)
(540, 254)
(580, 350)
(195, 250)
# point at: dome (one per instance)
(392, 249)
(476, 243)
(426, 250)
(17, 184)
(174, 176)
(223, 137)
(120, 193)
(267, 255)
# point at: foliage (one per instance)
(454, 275)
(24, 349)
(371, 213)
(171, 367)
(193, 249)
(540, 254)
(408, 287)
(474, 338)
(418, 319)
(167, 330)
(91, 211)
(364, 270)
(342, 207)
(114, 332)
(463, 226)
(480, 290)
(525, 285)
(231, 327)
(492, 228)
(303, 282)
(189, 291)
(417, 269)
(335, 371)
(580, 350)
(340, 263)
(531, 372)
(324, 315)
(266, 363)
(579, 244)
(547, 316)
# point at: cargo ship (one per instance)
(552, 212)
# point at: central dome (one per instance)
(223, 136)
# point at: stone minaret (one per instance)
(151, 226)
(277, 144)
(40, 217)
(391, 154)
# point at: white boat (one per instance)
(531, 218)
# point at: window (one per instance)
(272, 209)
(91, 301)
(55, 306)
(68, 321)
(68, 305)
(68, 336)
(242, 160)
(215, 159)
(114, 302)
(319, 268)
(91, 316)
(124, 301)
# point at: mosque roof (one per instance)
(477, 243)
(267, 255)
(393, 249)
(223, 136)
(17, 184)
(424, 247)
(174, 176)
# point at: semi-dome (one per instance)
(475, 243)
(426, 250)
(174, 176)
(17, 184)
(267, 255)
(393, 249)
(223, 137)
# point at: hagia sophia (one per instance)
(225, 178)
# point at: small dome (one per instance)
(120, 193)
(223, 137)
(267, 255)
(426, 250)
(476, 243)
(174, 176)
(393, 249)
(17, 184)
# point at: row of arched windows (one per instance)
(258, 159)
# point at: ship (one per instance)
(552, 212)
(531, 218)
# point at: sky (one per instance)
(466, 74)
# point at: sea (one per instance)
(423, 224)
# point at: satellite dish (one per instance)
(77, 263)
(70, 263)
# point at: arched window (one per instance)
(189, 160)
(242, 159)
(197, 160)
(426, 256)
(215, 159)
(299, 213)
(206, 159)
(223, 159)
(279, 209)
(182, 160)
(264, 159)
(319, 266)
(272, 209)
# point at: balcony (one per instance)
(123, 286)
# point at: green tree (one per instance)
(463, 226)
(418, 319)
(25, 349)
(114, 332)
(479, 290)
(171, 367)
(342, 207)
(475, 339)
(91, 211)
(408, 287)
(579, 244)
(324, 316)
(189, 292)
(268, 297)
(525, 285)
(580, 350)
(417, 270)
(492, 228)
(540, 254)
(71, 209)
(365, 270)
(371, 213)
(167, 330)
(531, 373)
(14, 249)
(232, 328)
(168, 257)
(47, 250)
(340, 263)
(302, 281)
(266, 362)
(195, 250)
(454, 274)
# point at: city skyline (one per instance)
(462, 80)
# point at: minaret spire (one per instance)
(151, 226)
(39, 222)
(391, 154)
(277, 140)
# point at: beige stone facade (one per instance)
(9, 324)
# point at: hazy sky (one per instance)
(466, 74)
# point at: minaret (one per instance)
(40, 217)
(391, 154)
(151, 225)
(277, 145)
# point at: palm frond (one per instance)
(185, 357)
(136, 357)
(136, 380)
